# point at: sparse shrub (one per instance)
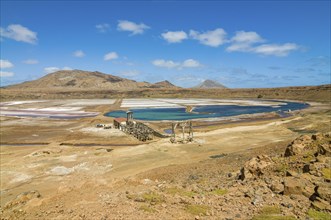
(153, 197)
(182, 192)
(317, 215)
(219, 192)
(326, 173)
(197, 209)
(272, 213)
(260, 96)
(146, 208)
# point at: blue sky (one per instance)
(241, 44)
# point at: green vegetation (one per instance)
(146, 208)
(260, 96)
(197, 209)
(282, 168)
(317, 215)
(182, 192)
(326, 173)
(153, 197)
(272, 213)
(219, 192)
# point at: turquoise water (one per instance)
(211, 111)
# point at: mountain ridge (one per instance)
(80, 79)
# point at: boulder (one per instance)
(292, 185)
(321, 205)
(323, 190)
(294, 149)
(277, 187)
(255, 166)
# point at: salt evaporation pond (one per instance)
(209, 111)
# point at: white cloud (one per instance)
(6, 74)
(276, 49)
(53, 69)
(19, 33)
(213, 38)
(110, 56)
(174, 36)
(30, 61)
(124, 25)
(189, 63)
(165, 63)
(246, 42)
(5, 64)
(247, 37)
(79, 53)
(102, 28)
(243, 41)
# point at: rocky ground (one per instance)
(279, 181)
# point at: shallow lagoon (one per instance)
(209, 111)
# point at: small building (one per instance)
(118, 122)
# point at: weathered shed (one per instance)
(119, 121)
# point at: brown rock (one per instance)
(294, 149)
(22, 199)
(325, 149)
(292, 185)
(323, 190)
(291, 173)
(255, 166)
(321, 204)
(277, 187)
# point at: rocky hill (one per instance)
(209, 84)
(163, 84)
(78, 79)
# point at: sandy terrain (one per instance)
(66, 157)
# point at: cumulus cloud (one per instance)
(102, 28)
(189, 63)
(246, 42)
(165, 63)
(31, 61)
(247, 37)
(79, 53)
(5, 64)
(213, 38)
(174, 36)
(276, 49)
(243, 41)
(53, 69)
(6, 74)
(110, 56)
(19, 33)
(134, 28)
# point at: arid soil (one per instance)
(305, 93)
(69, 169)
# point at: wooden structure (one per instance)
(137, 129)
(119, 122)
(183, 125)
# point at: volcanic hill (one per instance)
(79, 79)
(209, 84)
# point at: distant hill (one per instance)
(163, 84)
(209, 84)
(79, 79)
